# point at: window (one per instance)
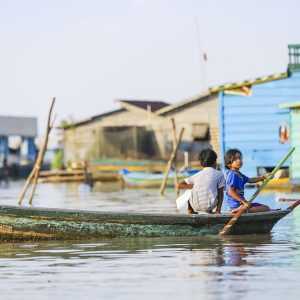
(200, 131)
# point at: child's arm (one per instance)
(184, 185)
(258, 178)
(220, 200)
(232, 193)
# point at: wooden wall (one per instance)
(84, 142)
(205, 111)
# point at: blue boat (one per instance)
(147, 180)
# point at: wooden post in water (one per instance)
(34, 175)
(175, 162)
(164, 182)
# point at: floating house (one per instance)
(124, 133)
(17, 146)
(294, 136)
(250, 117)
(143, 130)
(199, 116)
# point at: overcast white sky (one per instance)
(88, 53)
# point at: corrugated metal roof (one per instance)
(22, 126)
(145, 104)
(186, 102)
(91, 119)
(247, 82)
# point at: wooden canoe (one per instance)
(29, 223)
(148, 180)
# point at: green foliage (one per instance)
(65, 125)
(57, 160)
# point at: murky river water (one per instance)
(243, 267)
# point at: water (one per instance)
(242, 267)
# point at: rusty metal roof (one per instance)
(185, 103)
(153, 106)
(248, 82)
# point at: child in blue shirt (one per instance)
(236, 181)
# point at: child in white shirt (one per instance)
(207, 185)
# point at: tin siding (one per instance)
(295, 141)
(252, 123)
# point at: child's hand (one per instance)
(245, 202)
(267, 176)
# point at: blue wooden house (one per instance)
(251, 120)
(17, 146)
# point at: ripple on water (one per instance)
(128, 268)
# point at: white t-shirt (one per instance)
(205, 188)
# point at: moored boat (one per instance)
(279, 184)
(29, 223)
(56, 176)
(147, 180)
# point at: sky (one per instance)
(88, 53)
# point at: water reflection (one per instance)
(237, 256)
(205, 251)
(146, 268)
(203, 265)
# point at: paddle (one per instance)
(293, 206)
(245, 207)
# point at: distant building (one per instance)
(251, 120)
(143, 130)
(17, 143)
(199, 115)
(129, 132)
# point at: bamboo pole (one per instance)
(175, 161)
(163, 184)
(33, 177)
(245, 207)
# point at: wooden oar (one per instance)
(293, 206)
(245, 207)
(287, 199)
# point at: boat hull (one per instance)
(152, 180)
(25, 223)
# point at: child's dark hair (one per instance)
(229, 157)
(207, 157)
